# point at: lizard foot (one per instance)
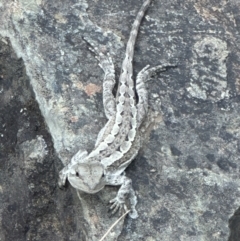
(117, 205)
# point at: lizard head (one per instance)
(87, 177)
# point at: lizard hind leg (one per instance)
(143, 76)
(106, 64)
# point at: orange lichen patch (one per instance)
(92, 89)
(74, 118)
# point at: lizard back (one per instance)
(120, 131)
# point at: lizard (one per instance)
(119, 140)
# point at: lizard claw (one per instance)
(117, 205)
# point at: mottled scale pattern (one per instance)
(120, 140)
(123, 132)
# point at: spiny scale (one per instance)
(124, 129)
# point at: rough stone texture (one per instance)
(31, 205)
(186, 176)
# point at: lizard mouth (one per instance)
(90, 191)
(81, 186)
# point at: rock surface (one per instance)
(187, 175)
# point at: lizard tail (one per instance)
(127, 62)
(135, 29)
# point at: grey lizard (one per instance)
(120, 139)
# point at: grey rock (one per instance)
(187, 175)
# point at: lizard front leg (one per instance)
(125, 191)
(106, 64)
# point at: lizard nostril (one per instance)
(77, 174)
